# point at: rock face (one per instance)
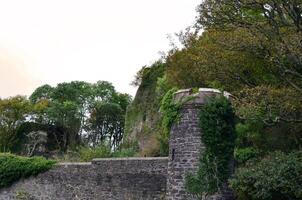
(185, 143)
(103, 179)
(143, 119)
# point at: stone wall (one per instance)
(130, 178)
(103, 179)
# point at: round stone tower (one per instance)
(185, 141)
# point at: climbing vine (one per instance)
(170, 112)
(218, 135)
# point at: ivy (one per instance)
(217, 121)
(170, 111)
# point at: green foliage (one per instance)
(250, 134)
(244, 154)
(13, 112)
(13, 168)
(143, 121)
(64, 112)
(130, 152)
(170, 111)
(86, 154)
(207, 62)
(217, 121)
(106, 122)
(275, 27)
(277, 176)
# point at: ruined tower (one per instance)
(185, 142)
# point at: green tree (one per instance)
(275, 26)
(106, 124)
(70, 107)
(13, 112)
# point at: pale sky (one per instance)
(53, 41)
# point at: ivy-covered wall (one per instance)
(186, 145)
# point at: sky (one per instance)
(53, 41)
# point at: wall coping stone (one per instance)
(130, 158)
(73, 163)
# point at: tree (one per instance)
(43, 92)
(207, 62)
(107, 120)
(251, 48)
(275, 25)
(69, 108)
(106, 124)
(13, 112)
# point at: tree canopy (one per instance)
(71, 114)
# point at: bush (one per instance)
(244, 154)
(276, 177)
(87, 154)
(124, 153)
(13, 168)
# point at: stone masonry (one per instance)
(185, 143)
(103, 179)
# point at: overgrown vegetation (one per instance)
(86, 154)
(143, 121)
(170, 111)
(217, 122)
(13, 168)
(277, 176)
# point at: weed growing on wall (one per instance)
(13, 168)
(217, 121)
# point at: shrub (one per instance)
(276, 177)
(244, 154)
(13, 168)
(87, 154)
(124, 153)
